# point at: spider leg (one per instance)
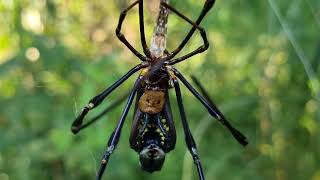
(145, 47)
(102, 113)
(191, 144)
(213, 110)
(207, 6)
(202, 90)
(94, 102)
(122, 38)
(200, 49)
(170, 123)
(115, 136)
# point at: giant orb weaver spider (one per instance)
(153, 132)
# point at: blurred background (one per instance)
(262, 69)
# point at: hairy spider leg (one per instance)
(123, 39)
(191, 144)
(115, 136)
(94, 102)
(213, 110)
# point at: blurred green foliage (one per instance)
(262, 68)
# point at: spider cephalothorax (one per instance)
(153, 132)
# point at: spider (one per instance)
(153, 131)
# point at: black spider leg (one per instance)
(200, 49)
(202, 90)
(160, 125)
(122, 37)
(102, 113)
(171, 134)
(207, 97)
(145, 47)
(145, 123)
(94, 102)
(115, 136)
(207, 6)
(191, 144)
(213, 110)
